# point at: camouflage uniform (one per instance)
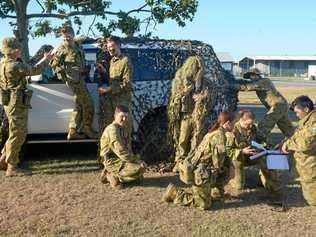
(16, 102)
(190, 77)
(118, 157)
(120, 78)
(212, 170)
(303, 145)
(69, 65)
(275, 103)
(239, 139)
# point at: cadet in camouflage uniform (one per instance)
(69, 65)
(243, 133)
(184, 97)
(272, 99)
(211, 164)
(120, 164)
(16, 101)
(303, 146)
(119, 88)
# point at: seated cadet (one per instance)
(303, 146)
(120, 164)
(211, 168)
(243, 133)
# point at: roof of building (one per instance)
(283, 58)
(224, 57)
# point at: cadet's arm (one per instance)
(218, 152)
(233, 151)
(303, 140)
(243, 85)
(124, 85)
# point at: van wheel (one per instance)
(152, 135)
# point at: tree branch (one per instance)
(140, 9)
(39, 3)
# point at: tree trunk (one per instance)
(22, 27)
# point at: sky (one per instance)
(242, 28)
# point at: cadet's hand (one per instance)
(48, 56)
(104, 90)
(284, 149)
(248, 151)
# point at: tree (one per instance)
(150, 13)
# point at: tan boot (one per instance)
(15, 171)
(3, 164)
(88, 131)
(114, 181)
(170, 193)
(74, 135)
(103, 176)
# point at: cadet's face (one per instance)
(68, 38)
(301, 112)
(113, 48)
(228, 126)
(246, 123)
(121, 118)
(15, 54)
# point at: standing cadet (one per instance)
(119, 90)
(272, 99)
(185, 93)
(69, 65)
(16, 100)
(120, 164)
(243, 133)
(211, 164)
(303, 146)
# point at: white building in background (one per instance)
(279, 66)
(227, 61)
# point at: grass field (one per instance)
(64, 197)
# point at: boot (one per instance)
(3, 164)
(170, 193)
(15, 171)
(103, 177)
(74, 135)
(114, 181)
(88, 131)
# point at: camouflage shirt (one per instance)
(13, 73)
(69, 59)
(265, 90)
(303, 144)
(113, 144)
(120, 78)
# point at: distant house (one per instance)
(227, 61)
(279, 66)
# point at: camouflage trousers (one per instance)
(187, 138)
(307, 173)
(17, 114)
(123, 170)
(82, 115)
(108, 105)
(277, 115)
(271, 180)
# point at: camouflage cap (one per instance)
(10, 44)
(252, 71)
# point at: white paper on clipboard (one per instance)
(277, 162)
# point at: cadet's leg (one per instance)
(309, 191)
(271, 180)
(285, 125)
(269, 121)
(184, 139)
(130, 172)
(199, 197)
(17, 117)
(86, 103)
(238, 181)
(76, 116)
